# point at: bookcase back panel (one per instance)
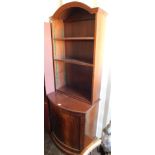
(74, 80)
(80, 50)
(79, 79)
(78, 22)
(84, 28)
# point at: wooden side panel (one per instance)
(91, 121)
(48, 61)
(59, 52)
(58, 28)
(98, 55)
(59, 74)
(58, 32)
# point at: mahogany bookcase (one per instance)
(77, 39)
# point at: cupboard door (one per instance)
(67, 127)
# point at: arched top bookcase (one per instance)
(77, 39)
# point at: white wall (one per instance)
(105, 105)
(50, 7)
(88, 2)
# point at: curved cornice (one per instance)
(59, 12)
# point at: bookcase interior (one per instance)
(74, 80)
(73, 41)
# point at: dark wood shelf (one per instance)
(75, 38)
(68, 103)
(74, 61)
(80, 19)
(83, 95)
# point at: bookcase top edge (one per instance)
(69, 5)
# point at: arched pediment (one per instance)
(68, 7)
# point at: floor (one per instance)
(51, 149)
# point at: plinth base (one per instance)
(90, 144)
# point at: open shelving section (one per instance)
(73, 40)
(74, 80)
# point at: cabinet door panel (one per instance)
(66, 127)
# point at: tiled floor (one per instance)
(51, 149)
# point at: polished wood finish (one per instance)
(68, 103)
(93, 145)
(77, 38)
(75, 93)
(61, 11)
(69, 81)
(91, 121)
(47, 126)
(81, 50)
(98, 55)
(69, 151)
(68, 119)
(64, 124)
(74, 61)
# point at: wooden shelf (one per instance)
(75, 38)
(68, 103)
(80, 19)
(74, 61)
(83, 95)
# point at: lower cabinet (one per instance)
(71, 130)
(68, 127)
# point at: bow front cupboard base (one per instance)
(73, 122)
(77, 38)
